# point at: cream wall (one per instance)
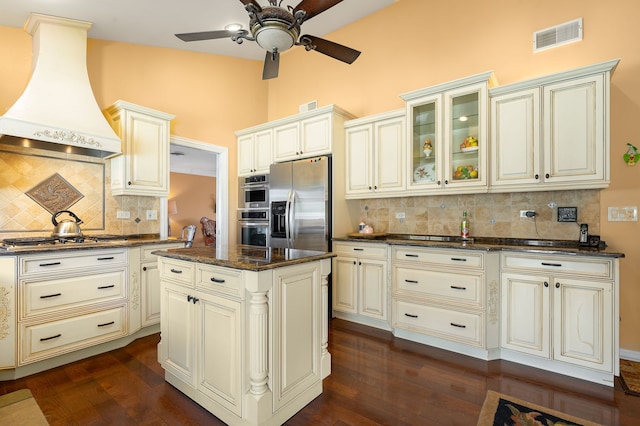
(409, 45)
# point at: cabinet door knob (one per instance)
(438, 183)
(129, 183)
(189, 298)
(546, 284)
(354, 262)
(144, 268)
(557, 285)
(536, 177)
(547, 175)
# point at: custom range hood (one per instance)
(58, 111)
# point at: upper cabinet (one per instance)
(254, 152)
(299, 136)
(448, 129)
(552, 132)
(143, 167)
(375, 155)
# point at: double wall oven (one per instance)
(253, 211)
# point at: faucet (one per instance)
(191, 232)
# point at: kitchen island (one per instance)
(244, 330)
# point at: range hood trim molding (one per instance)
(57, 110)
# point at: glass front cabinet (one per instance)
(447, 129)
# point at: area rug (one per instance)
(19, 408)
(630, 377)
(504, 410)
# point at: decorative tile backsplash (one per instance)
(491, 215)
(27, 175)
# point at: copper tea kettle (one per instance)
(67, 228)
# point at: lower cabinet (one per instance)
(561, 308)
(446, 298)
(249, 346)
(150, 283)
(360, 283)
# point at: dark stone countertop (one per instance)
(536, 246)
(244, 257)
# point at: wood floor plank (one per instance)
(376, 379)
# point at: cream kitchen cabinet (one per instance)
(552, 132)
(143, 167)
(8, 318)
(440, 119)
(447, 298)
(360, 283)
(559, 312)
(308, 134)
(375, 155)
(255, 152)
(69, 301)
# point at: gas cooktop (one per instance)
(27, 243)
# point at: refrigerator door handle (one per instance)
(292, 222)
(287, 222)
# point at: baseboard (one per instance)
(630, 355)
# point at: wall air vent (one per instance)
(548, 38)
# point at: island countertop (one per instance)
(252, 258)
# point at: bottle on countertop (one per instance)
(464, 225)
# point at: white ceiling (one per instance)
(154, 22)
(193, 161)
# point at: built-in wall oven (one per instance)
(254, 192)
(253, 227)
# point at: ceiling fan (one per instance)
(277, 29)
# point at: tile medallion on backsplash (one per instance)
(55, 194)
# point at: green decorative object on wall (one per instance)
(630, 155)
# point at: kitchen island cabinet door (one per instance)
(178, 329)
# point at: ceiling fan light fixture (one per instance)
(275, 36)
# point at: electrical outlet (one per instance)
(527, 214)
(623, 214)
(152, 214)
(122, 214)
(400, 215)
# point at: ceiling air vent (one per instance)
(548, 38)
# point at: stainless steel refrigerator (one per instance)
(300, 198)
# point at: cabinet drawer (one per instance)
(448, 324)
(439, 285)
(82, 259)
(210, 278)
(42, 297)
(145, 251)
(586, 265)
(455, 258)
(178, 271)
(361, 250)
(53, 338)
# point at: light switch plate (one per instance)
(623, 214)
(123, 214)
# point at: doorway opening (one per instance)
(201, 159)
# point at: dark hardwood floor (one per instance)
(376, 380)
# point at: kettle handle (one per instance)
(73, 215)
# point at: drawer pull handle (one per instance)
(411, 315)
(50, 295)
(176, 271)
(106, 324)
(217, 280)
(44, 339)
(557, 265)
(458, 325)
(102, 287)
(50, 264)
(458, 259)
(411, 281)
(457, 287)
(358, 249)
(411, 255)
(106, 258)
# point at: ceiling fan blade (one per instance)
(329, 48)
(271, 65)
(253, 2)
(314, 7)
(205, 35)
